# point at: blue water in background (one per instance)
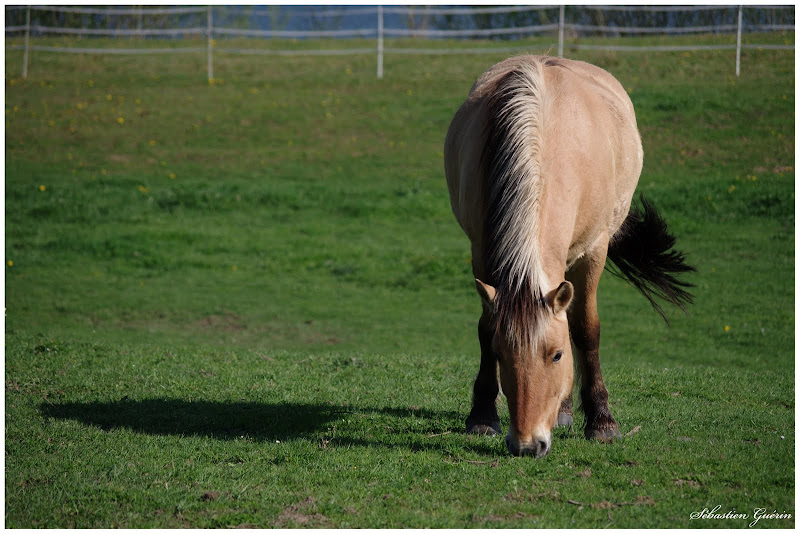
(316, 18)
(304, 18)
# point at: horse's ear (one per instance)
(560, 298)
(487, 294)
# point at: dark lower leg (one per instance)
(483, 418)
(585, 330)
(600, 424)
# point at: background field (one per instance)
(248, 303)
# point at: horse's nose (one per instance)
(538, 448)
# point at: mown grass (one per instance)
(249, 304)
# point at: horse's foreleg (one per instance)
(584, 325)
(483, 418)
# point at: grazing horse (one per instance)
(542, 160)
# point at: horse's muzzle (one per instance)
(537, 448)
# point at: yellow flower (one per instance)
(152, 142)
(42, 188)
(727, 328)
(172, 176)
(10, 263)
(108, 97)
(120, 120)
(143, 189)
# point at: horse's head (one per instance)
(536, 375)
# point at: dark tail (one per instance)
(642, 254)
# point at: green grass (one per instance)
(249, 303)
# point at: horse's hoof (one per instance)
(564, 419)
(604, 435)
(492, 429)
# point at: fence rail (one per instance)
(130, 22)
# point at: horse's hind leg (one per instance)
(565, 412)
(483, 418)
(584, 326)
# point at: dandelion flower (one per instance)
(10, 263)
(42, 188)
(172, 176)
(108, 97)
(727, 328)
(152, 142)
(120, 120)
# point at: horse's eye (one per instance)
(557, 356)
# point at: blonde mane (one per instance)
(513, 158)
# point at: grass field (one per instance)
(249, 304)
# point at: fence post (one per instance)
(739, 42)
(27, 43)
(380, 42)
(561, 31)
(210, 57)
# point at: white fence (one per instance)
(202, 25)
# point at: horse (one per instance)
(541, 161)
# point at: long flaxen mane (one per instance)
(513, 164)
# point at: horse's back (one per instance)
(591, 143)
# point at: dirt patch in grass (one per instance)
(228, 322)
(302, 514)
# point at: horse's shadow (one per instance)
(229, 420)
